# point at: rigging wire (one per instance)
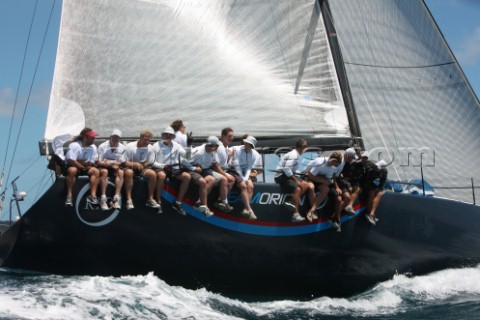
(377, 126)
(31, 87)
(43, 186)
(17, 94)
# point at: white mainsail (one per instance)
(262, 67)
(409, 92)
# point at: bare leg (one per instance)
(323, 191)
(160, 176)
(296, 197)
(119, 178)
(250, 190)
(103, 181)
(376, 201)
(128, 183)
(311, 193)
(223, 188)
(185, 178)
(70, 179)
(244, 194)
(346, 198)
(337, 208)
(355, 192)
(94, 180)
(152, 182)
(202, 190)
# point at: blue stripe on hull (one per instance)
(261, 230)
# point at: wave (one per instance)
(33, 296)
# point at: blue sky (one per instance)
(459, 21)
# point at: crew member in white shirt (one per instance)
(225, 152)
(80, 158)
(289, 183)
(244, 158)
(109, 161)
(181, 137)
(169, 156)
(137, 159)
(206, 172)
(321, 172)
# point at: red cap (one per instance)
(91, 134)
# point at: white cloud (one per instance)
(469, 53)
(6, 101)
(38, 98)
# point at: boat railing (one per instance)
(449, 184)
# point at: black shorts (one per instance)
(173, 172)
(80, 172)
(112, 172)
(287, 185)
(195, 176)
(344, 185)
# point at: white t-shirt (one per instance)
(202, 158)
(136, 154)
(180, 138)
(77, 152)
(288, 164)
(319, 167)
(168, 154)
(222, 153)
(106, 152)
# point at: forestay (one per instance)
(260, 66)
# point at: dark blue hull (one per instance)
(229, 254)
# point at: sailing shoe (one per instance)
(117, 202)
(197, 204)
(205, 210)
(249, 214)
(228, 206)
(297, 217)
(92, 199)
(370, 219)
(222, 206)
(349, 210)
(177, 206)
(334, 223)
(152, 204)
(130, 204)
(310, 216)
(69, 201)
(103, 205)
(289, 206)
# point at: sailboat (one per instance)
(372, 74)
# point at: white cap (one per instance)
(116, 132)
(381, 164)
(250, 140)
(365, 154)
(213, 141)
(169, 130)
(350, 152)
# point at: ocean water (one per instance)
(447, 294)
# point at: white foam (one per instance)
(148, 297)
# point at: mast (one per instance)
(341, 74)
